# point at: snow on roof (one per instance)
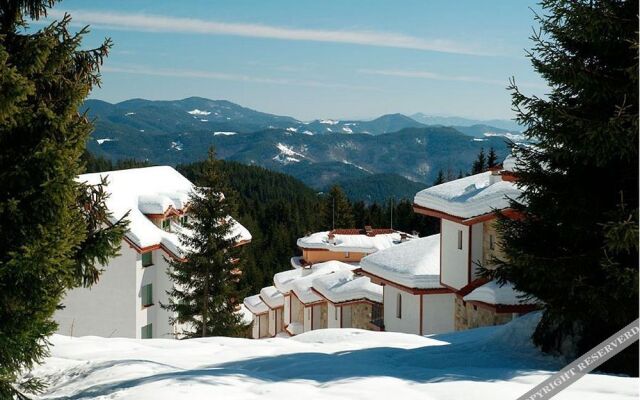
(272, 297)
(360, 243)
(341, 286)
(299, 280)
(255, 304)
(415, 264)
(492, 293)
(150, 190)
(468, 197)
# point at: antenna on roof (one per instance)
(333, 214)
(392, 213)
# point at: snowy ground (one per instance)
(486, 363)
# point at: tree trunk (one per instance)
(205, 305)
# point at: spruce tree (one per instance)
(206, 289)
(576, 246)
(52, 234)
(440, 179)
(492, 158)
(480, 163)
(337, 211)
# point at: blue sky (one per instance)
(317, 59)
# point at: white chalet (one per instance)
(468, 238)
(414, 299)
(126, 300)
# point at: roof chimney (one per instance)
(368, 230)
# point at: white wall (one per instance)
(272, 322)
(438, 312)
(287, 309)
(477, 231)
(332, 313)
(307, 319)
(255, 327)
(410, 319)
(108, 308)
(454, 270)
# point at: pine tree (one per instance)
(492, 158)
(206, 289)
(480, 163)
(52, 234)
(337, 211)
(440, 179)
(576, 246)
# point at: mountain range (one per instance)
(390, 153)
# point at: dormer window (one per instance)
(184, 220)
(166, 225)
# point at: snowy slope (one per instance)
(486, 363)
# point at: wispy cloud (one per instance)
(442, 77)
(223, 76)
(158, 23)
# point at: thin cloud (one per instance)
(223, 76)
(441, 77)
(158, 23)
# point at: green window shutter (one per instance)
(146, 332)
(147, 295)
(147, 259)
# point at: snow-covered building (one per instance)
(304, 309)
(468, 238)
(275, 301)
(346, 245)
(126, 300)
(353, 301)
(414, 299)
(260, 316)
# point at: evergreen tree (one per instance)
(480, 163)
(206, 288)
(337, 211)
(440, 179)
(576, 246)
(52, 234)
(492, 158)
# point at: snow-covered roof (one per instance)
(299, 280)
(255, 304)
(151, 190)
(358, 243)
(414, 264)
(272, 297)
(492, 293)
(470, 196)
(341, 286)
(297, 262)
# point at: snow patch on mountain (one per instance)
(347, 129)
(329, 122)
(287, 155)
(511, 136)
(224, 133)
(100, 141)
(176, 145)
(195, 111)
(357, 166)
(129, 114)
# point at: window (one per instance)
(491, 245)
(335, 313)
(399, 306)
(346, 255)
(147, 259)
(166, 225)
(184, 220)
(146, 332)
(147, 295)
(309, 312)
(459, 240)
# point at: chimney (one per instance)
(306, 269)
(332, 238)
(368, 230)
(403, 236)
(496, 176)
